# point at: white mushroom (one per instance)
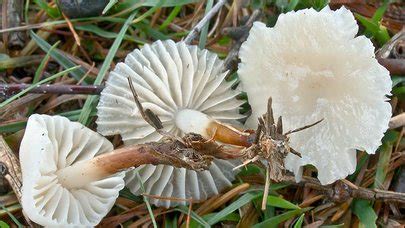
(186, 88)
(54, 194)
(314, 67)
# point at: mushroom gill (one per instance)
(170, 79)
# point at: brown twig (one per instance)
(266, 189)
(150, 117)
(7, 90)
(394, 66)
(397, 121)
(197, 29)
(72, 29)
(388, 50)
(240, 34)
(303, 128)
(340, 191)
(12, 10)
(10, 170)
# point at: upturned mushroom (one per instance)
(186, 88)
(59, 187)
(314, 67)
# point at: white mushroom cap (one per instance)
(314, 67)
(50, 144)
(170, 79)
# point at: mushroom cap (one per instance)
(314, 67)
(51, 143)
(169, 77)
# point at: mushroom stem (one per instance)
(189, 120)
(81, 173)
(169, 153)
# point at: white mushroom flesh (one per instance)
(313, 66)
(50, 144)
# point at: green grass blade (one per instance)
(126, 193)
(26, 10)
(39, 71)
(106, 34)
(396, 80)
(383, 163)
(204, 30)
(60, 58)
(12, 127)
(20, 61)
(334, 226)
(4, 225)
(171, 222)
(59, 22)
(171, 17)
(379, 13)
(281, 203)
(292, 5)
(136, 3)
(89, 104)
(19, 125)
(145, 199)
(373, 29)
(193, 215)
(149, 12)
(276, 220)
(110, 4)
(154, 33)
(299, 222)
(365, 212)
(43, 63)
(15, 220)
(168, 3)
(8, 101)
(246, 198)
(51, 11)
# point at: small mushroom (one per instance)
(59, 187)
(314, 67)
(186, 88)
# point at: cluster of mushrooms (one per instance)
(311, 64)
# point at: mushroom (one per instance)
(186, 88)
(314, 67)
(58, 188)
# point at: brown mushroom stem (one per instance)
(230, 135)
(190, 120)
(170, 152)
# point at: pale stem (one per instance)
(189, 120)
(100, 167)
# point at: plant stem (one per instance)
(7, 90)
(225, 133)
(397, 121)
(394, 66)
(197, 29)
(170, 152)
(340, 191)
(190, 120)
(11, 171)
